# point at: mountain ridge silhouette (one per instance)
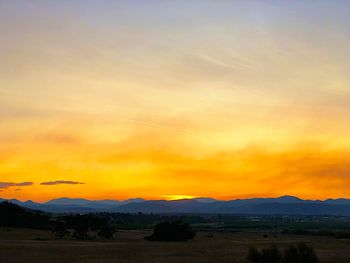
(286, 205)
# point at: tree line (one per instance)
(300, 253)
(87, 226)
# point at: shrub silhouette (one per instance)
(267, 255)
(172, 231)
(60, 229)
(107, 232)
(84, 227)
(254, 255)
(271, 255)
(300, 253)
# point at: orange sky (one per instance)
(226, 99)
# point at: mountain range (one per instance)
(284, 205)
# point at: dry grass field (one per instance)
(23, 245)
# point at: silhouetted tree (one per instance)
(107, 232)
(60, 229)
(172, 231)
(254, 255)
(86, 227)
(82, 227)
(271, 255)
(300, 253)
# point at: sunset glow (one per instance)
(174, 99)
(177, 197)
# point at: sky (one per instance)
(183, 98)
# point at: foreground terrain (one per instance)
(24, 245)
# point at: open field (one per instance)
(19, 245)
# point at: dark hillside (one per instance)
(12, 215)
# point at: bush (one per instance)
(172, 231)
(300, 253)
(84, 227)
(107, 232)
(271, 255)
(267, 255)
(254, 255)
(60, 229)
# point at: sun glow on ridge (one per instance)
(177, 197)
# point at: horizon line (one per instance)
(160, 199)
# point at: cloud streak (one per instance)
(58, 182)
(5, 185)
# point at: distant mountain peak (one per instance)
(29, 202)
(289, 197)
(135, 199)
(68, 201)
(205, 200)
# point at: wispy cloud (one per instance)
(161, 126)
(5, 185)
(227, 61)
(60, 182)
(58, 138)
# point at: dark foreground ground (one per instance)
(19, 245)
